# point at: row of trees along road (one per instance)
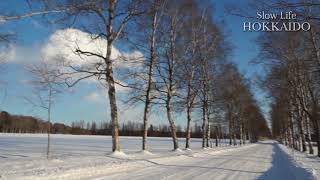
(292, 60)
(185, 67)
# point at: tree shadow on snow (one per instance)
(284, 168)
(199, 167)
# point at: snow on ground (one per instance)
(22, 156)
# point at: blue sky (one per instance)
(82, 102)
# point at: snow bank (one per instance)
(310, 162)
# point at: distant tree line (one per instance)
(27, 124)
(21, 124)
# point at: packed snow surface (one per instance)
(22, 156)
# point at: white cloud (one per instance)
(96, 97)
(62, 44)
(16, 54)
(60, 48)
(7, 54)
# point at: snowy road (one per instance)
(260, 161)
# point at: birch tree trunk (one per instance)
(291, 132)
(190, 96)
(203, 125)
(230, 127)
(308, 134)
(190, 100)
(171, 58)
(219, 131)
(217, 136)
(49, 121)
(302, 139)
(150, 82)
(317, 134)
(307, 118)
(189, 119)
(245, 135)
(316, 125)
(234, 135)
(241, 133)
(208, 129)
(110, 80)
(285, 138)
(171, 123)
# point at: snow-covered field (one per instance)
(22, 156)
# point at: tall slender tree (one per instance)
(47, 84)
